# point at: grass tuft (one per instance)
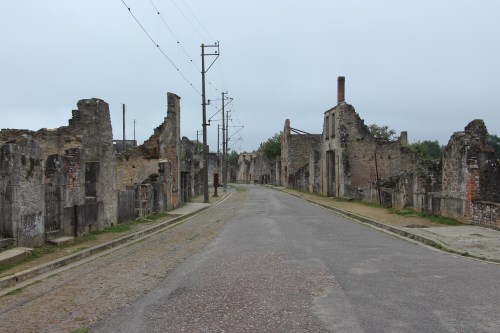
(434, 218)
(81, 330)
(15, 292)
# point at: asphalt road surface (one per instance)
(281, 264)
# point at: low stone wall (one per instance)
(486, 214)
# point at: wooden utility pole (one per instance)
(123, 143)
(135, 142)
(225, 157)
(224, 171)
(204, 107)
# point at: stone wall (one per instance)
(22, 206)
(262, 169)
(464, 185)
(132, 168)
(79, 170)
(471, 176)
(137, 166)
(187, 169)
(82, 181)
(486, 214)
(245, 174)
(296, 150)
(165, 144)
(353, 159)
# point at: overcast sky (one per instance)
(426, 66)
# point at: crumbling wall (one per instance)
(187, 169)
(64, 189)
(137, 166)
(262, 169)
(245, 174)
(471, 177)
(285, 137)
(278, 170)
(80, 169)
(356, 164)
(315, 169)
(295, 157)
(165, 144)
(133, 168)
(22, 206)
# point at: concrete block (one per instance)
(15, 254)
(61, 241)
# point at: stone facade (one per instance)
(70, 181)
(244, 174)
(464, 185)
(78, 171)
(22, 206)
(156, 175)
(297, 158)
(255, 168)
(471, 177)
(353, 159)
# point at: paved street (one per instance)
(264, 261)
(285, 265)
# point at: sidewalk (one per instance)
(466, 240)
(90, 245)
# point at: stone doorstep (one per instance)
(61, 241)
(14, 254)
(6, 242)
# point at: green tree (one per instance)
(382, 132)
(427, 149)
(272, 147)
(232, 158)
(494, 141)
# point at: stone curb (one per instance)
(12, 280)
(404, 233)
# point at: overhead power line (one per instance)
(197, 20)
(160, 49)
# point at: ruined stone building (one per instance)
(58, 181)
(69, 181)
(353, 160)
(463, 185)
(159, 174)
(300, 158)
(470, 178)
(255, 168)
(244, 161)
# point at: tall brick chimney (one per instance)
(341, 89)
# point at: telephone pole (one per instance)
(123, 144)
(204, 107)
(224, 180)
(224, 142)
(135, 142)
